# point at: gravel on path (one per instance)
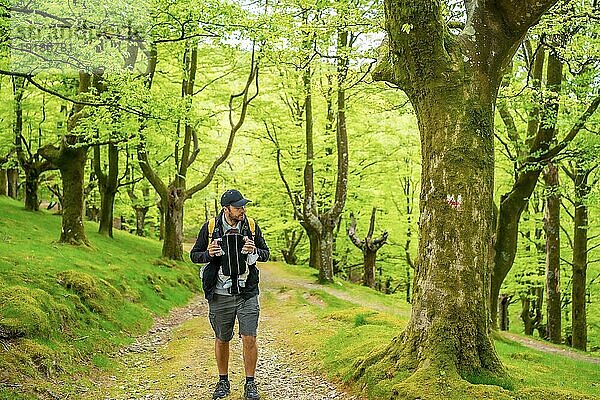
(278, 377)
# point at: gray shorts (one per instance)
(223, 310)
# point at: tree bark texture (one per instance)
(173, 240)
(369, 247)
(314, 261)
(72, 172)
(140, 220)
(107, 185)
(13, 182)
(452, 83)
(3, 182)
(580, 241)
(552, 229)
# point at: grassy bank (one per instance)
(64, 309)
(333, 327)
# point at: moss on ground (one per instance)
(97, 293)
(65, 309)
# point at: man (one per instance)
(230, 284)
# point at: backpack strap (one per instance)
(212, 222)
(252, 226)
(211, 228)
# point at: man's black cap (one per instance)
(234, 198)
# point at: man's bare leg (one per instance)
(222, 356)
(250, 354)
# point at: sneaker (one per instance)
(251, 391)
(223, 389)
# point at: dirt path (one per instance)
(550, 348)
(175, 360)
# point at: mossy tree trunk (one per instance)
(580, 250)
(579, 172)
(173, 240)
(70, 158)
(13, 182)
(552, 229)
(452, 83)
(72, 170)
(108, 183)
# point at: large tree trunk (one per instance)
(173, 239)
(32, 182)
(452, 274)
(107, 185)
(13, 182)
(140, 220)
(3, 182)
(452, 83)
(72, 171)
(314, 261)
(326, 254)
(70, 158)
(552, 228)
(580, 240)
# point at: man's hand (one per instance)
(249, 247)
(214, 249)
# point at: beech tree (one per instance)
(369, 247)
(580, 171)
(540, 143)
(452, 80)
(29, 159)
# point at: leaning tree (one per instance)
(452, 81)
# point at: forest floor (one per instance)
(550, 348)
(175, 359)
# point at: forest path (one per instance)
(550, 348)
(175, 359)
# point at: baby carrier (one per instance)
(233, 259)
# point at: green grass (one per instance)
(336, 333)
(65, 308)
